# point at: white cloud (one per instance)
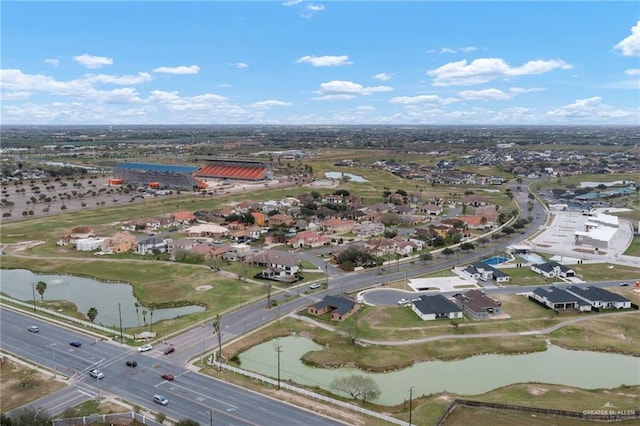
(383, 76)
(183, 69)
(239, 65)
(593, 110)
(442, 50)
(632, 71)
(487, 69)
(365, 108)
(270, 103)
(310, 9)
(630, 46)
(52, 61)
(15, 96)
(224, 85)
(422, 99)
(339, 89)
(141, 77)
(93, 62)
(291, 2)
(324, 61)
(493, 94)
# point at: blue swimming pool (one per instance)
(495, 260)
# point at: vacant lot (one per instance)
(20, 384)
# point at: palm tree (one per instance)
(151, 315)
(92, 313)
(137, 305)
(41, 286)
(144, 317)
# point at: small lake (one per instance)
(340, 175)
(85, 293)
(470, 376)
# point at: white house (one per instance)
(89, 244)
(600, 298)
(429, 308)
(553, 269)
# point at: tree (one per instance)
(357, 386)
(425, 257)
(137, 305)
(447, 252)
(30, 417)
(466, 246)
(160, 417)
(92, 313)
(41, 287)
(144, 317)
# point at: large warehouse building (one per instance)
(191, 177)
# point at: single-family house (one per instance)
(88, 244)
(259, 218)
(435, 307)
(184, 217)
(237, 252)
(600, 298)
(484, 272)
(553, 269)
(80, 232)
(206, 230)
(478, 305)
(120, 242)
(337, 226)
(368, 229)
(341, 307)
(308, 239)
(153, 244)
(277, 266)
(280, 219)
(558, 299)
(430, 209)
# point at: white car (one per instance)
(96, 373)
(403, 301)
(145, 348)
(314, 286)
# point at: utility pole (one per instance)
(216, 328)
(210, 417)
(278, 350)
(33, 287)
(268, 295)
(326, 276)
(410, 398)
(120, 316)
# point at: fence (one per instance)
(83, 323)
(605, 414)
(310, 394)
(108, 419)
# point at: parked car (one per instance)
(75, 344)
(159, 399)
(168, 377)
(33, 328)
(403, 301)
(131, 364)
(145, 348)
(168, 350)
(314, 286)
(96, 373)
(624, 285)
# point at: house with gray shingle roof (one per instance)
(558, 299)
(435, 307)
(600, 298)
(553, 269)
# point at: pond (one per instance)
(340, 175)
(470, 376)
(87, 293)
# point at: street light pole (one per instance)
(410, 398)
(33, 287)
(210, 417)
(120, 316)
(278, 350)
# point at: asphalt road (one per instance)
(191, 394)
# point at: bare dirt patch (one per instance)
(23, 245)
(534, 390)
(20, 384)
(204, 287)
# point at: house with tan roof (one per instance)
(280, 219)
(337, 226)
(308, 239)
(120, 242)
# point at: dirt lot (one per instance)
(20, 384)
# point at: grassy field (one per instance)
(634, 248)
(606, 272)
(20, 384)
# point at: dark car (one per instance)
(168, 377)
(168, 350)
(75, 344)
(132, 363)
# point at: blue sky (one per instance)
(317, 62)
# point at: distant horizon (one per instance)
(320, 63)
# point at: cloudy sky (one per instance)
(317, 62)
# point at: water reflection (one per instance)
(86, 293)
(469, 376)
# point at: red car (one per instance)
(168, 350)
(168, 377)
